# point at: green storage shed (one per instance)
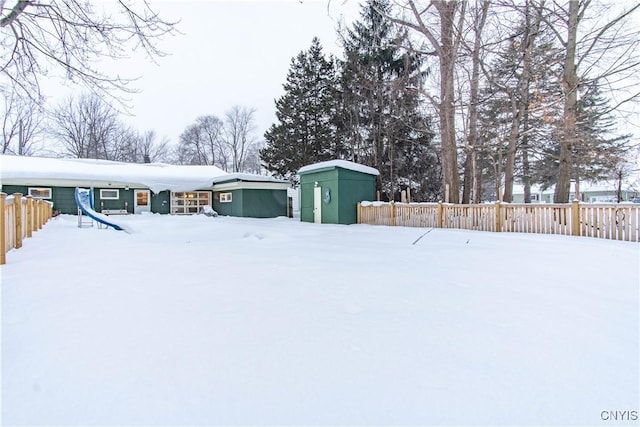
(330, 191)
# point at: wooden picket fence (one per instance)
(21, 216)
(606, 221)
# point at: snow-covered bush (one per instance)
(208, 211)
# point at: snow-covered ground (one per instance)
(204, 321)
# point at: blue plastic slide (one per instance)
(85, 203)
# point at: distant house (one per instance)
(601, 192)
(128, 188)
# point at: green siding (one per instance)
(161, 202)
(354, 187)
(63, 198)
(253, 203)
(233, 208)
(326, 178)
(259, 203)
(347, 189)
(125, 200)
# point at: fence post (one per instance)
(575, 218)
(17, 210)
(3, 224)
(358, 214)
(393, 214)
(29, 216)
(41, 213)
(440, 215)
(498, 217)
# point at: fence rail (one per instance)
(21, 216)
(606, 221)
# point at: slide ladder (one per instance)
(84, 200)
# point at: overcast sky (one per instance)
(230, 53)
(234, 52)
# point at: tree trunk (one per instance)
(521, 105)
(470, 189)
(619, 185)
(467, 183)
(510, 161)
(447, 12)
(570, 88)
(526, 167)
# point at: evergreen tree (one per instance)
(306, 113)
(598, 149)
(380, 117)
(519, 111)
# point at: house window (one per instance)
(226, 197)
(40, 192)
(186, 203)
(535, 197)
(110, 194)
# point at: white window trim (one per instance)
(102, 197)
(40, 189)
(226, 197)
(190, 205)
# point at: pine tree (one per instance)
(598, 149)
(306, 113)
(381, 122)
(519, 110)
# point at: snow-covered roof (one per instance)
(247, 177)
(155, 176)
(344, 164)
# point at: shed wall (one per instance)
(354, 187)
(327, 178)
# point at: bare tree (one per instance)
(599, 45)
(150, 150)
(21, 123)
(87, 127)
(202, 143)
(132, 146)
(39, 36)
(519, 95)
(238, 135)
(471, 185)
(252, 163)
(447, 17)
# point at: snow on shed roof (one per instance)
(155, 176)
(344, 164)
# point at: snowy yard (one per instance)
(204, 321)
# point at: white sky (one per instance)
(230, 53)
(234, 52)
